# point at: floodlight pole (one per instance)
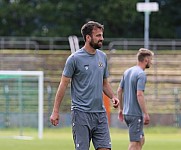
(146, 27)
(147, 7)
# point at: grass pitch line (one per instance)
(17, 137)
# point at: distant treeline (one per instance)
(61, 18)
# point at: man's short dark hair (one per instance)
(88, 27)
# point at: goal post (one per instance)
(40, 76)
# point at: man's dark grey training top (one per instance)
(134, 79)
(87, 72)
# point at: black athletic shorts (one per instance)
(135, 125)
(90, 126)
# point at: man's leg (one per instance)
(80, 131)
(142, 141)
(100, 134)
(136, 134)
(136, 145)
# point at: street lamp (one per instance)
(147, 7)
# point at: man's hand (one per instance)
(54, 118)
(115, 102)
(146, 119)
(120, 115)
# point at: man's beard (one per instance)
(147, 66)
(95, 45)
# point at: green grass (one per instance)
(158, 138)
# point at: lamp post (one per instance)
(147, 7)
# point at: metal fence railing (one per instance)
(62, 43)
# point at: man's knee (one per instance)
(142, 141)
(135, 146)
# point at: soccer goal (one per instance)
(21, 94)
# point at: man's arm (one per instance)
(141, 101)
(108, 91)
(120, 97)
(54, 118)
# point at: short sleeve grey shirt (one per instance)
(87, 72)
(133, 79)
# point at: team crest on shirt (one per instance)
(100, 64)
(86, 67)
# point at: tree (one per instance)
(166, 22)
(61, 18)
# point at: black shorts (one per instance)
(135, 125)
(90, 126)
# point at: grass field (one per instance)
(158, 138)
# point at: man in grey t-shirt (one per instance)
(87, 70)
(131, 95)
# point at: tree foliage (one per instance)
(65, 17)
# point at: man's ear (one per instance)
(88, 38)
(146, 59)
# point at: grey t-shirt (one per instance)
(133, 79)
(87, 72)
